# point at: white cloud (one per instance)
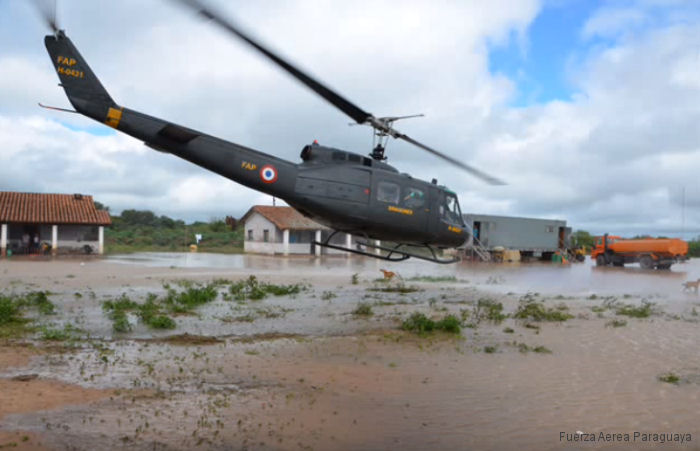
(612, 159)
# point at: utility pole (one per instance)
(683, 212)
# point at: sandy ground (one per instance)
(317, 377)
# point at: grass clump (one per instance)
(363, 309)
(531, 309)
(67, 332)
(490, 349)
(488, 309)
(251, 288)
(40, 300)
(670, 378)
(355, 279)
(400, 288)
(192, 296)
(642, 311)
(524, 349)
(421, 324)
(433, 279)
(616, 323)
(10, 311)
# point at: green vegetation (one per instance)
(488, 309)
(142, 230)
(328, 295)
(523, 348)
(490, 349)
(14, 306)
(582, 238)
(67, 332)
(184, 296)
(508, 330)
(363, 309)
(694, 247)
(434, 279)
(421, 324)
(670, 378)
(255, 290)
(355, 279)
(401, 288)
(616, 323)
(531, 309)
(642, 311)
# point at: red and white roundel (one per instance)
(268, 174)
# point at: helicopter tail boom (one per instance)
(243, 165)
(84, 90)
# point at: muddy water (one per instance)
(321, 378)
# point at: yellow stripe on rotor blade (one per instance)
(114, 116)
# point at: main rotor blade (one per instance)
(47, 10)
(475, 172)
(349, 108)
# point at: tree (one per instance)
(101, 206)
(582, 238)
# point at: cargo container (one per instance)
(532, 237)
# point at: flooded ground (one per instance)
(303, 371)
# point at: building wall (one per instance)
(71, 238)
(258, 224)
(299, 240)
(525, 234)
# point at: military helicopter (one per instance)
(346, 191)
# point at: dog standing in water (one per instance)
(687, 286)
(389, 275)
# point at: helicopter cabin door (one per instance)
(402, 205)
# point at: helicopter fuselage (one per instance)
(345, 191)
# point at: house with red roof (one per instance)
(55, 223)
(283, 230)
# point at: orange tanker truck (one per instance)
(659, 253)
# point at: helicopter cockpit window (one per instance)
(388, 192)
(451, 211)
(413, 198)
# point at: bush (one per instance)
(419, 323)
(643, 311)
(9, 310)
(363, 309)
(536, 311)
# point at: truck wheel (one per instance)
(600, 260)
(646, 262)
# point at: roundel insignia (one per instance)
(268, 174)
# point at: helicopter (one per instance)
(345, 191)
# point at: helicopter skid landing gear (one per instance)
(393, 254)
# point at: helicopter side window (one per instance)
(413, 198)
(354, 158)
(338, 156)
(388, 192)
(451, 212)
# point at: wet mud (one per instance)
(305, 372)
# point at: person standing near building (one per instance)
(25, 243)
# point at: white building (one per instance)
(32, 223)
(283, 230)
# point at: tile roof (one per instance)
(35, 208)
(284, 218)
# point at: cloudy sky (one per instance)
(589, 110)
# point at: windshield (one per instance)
(452, 210)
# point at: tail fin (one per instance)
(82, 87)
